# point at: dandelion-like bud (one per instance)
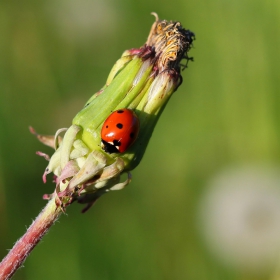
(94, 151)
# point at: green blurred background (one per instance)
(55, 54)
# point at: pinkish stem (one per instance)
(29, 240)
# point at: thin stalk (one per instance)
(23, 247)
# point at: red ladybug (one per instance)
(119, 131)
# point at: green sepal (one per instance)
(118, 66)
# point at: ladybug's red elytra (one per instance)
(119, 131)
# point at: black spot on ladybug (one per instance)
(107, 126)
(120, 111)
(119, 125)
(117, 143)
(131, 135)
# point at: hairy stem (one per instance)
(29, 240)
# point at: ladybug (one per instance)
(119, 131)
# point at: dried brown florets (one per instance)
(171, 42)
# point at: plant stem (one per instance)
(29, 240)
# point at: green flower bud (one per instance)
(142, 80)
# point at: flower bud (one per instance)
(142, 80)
